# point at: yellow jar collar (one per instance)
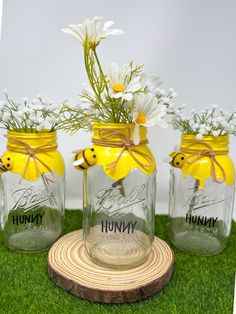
(218, 144)
(207, 158)
(119, 127)
(34, 140)
(116, 152)
(34, 154)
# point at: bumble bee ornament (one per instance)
(177, 159)
(5, 164)
(84, 158)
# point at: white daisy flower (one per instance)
(147, 112)
(120, 84)
(92, 30)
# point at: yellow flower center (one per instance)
(141, 118)
(118, 88)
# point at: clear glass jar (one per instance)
(32, 192)
(200, 210)
(119, 213)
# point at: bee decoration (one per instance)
(84, 158)
(6, 164)
(177, 159)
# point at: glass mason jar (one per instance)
(119, 198)
(201, 195)
(32, 191)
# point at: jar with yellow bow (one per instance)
(32, 181)
(119, 169)
(202, 186)
(119, 197)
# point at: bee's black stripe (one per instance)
(175, 157)
(3, 168)
(86, 159)
(81, 167)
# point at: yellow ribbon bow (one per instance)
(126, 144)
(31, 152)
(207, 152)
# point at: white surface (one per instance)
(1, 3)
(189, 44)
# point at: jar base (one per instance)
(37, 242)
(119, 251)
(198, 243)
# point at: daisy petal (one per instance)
(107, 25)
(127, 96)
(136, 137)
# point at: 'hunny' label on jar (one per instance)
(201, 206)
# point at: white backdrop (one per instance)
(190, 44)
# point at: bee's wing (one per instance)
(167, 159)
(78, 162)
(77, 151)
(176, 148)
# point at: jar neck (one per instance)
(116, 132)
(217, 144)
(16, 140)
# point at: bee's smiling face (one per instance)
(90, 156)
(7, 162)
(178, 160)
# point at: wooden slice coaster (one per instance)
(71, 269)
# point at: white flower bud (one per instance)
(161, 91)
(196, 125)
(166, 100)
(198, 136)
(39, 128)
(20, 114)
(215, 133)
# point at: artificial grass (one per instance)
(199, 284)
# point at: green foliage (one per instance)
(205, 123)
(199, 284)
(30, 116)
(102, 106)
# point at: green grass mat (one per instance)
(199, 284)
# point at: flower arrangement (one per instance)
(211, 121)
(30, 116)
(122, 94)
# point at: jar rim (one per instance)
(217, 143)
(45, 133)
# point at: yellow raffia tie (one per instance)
(208, 152)
(31, 152)
(125, 144)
